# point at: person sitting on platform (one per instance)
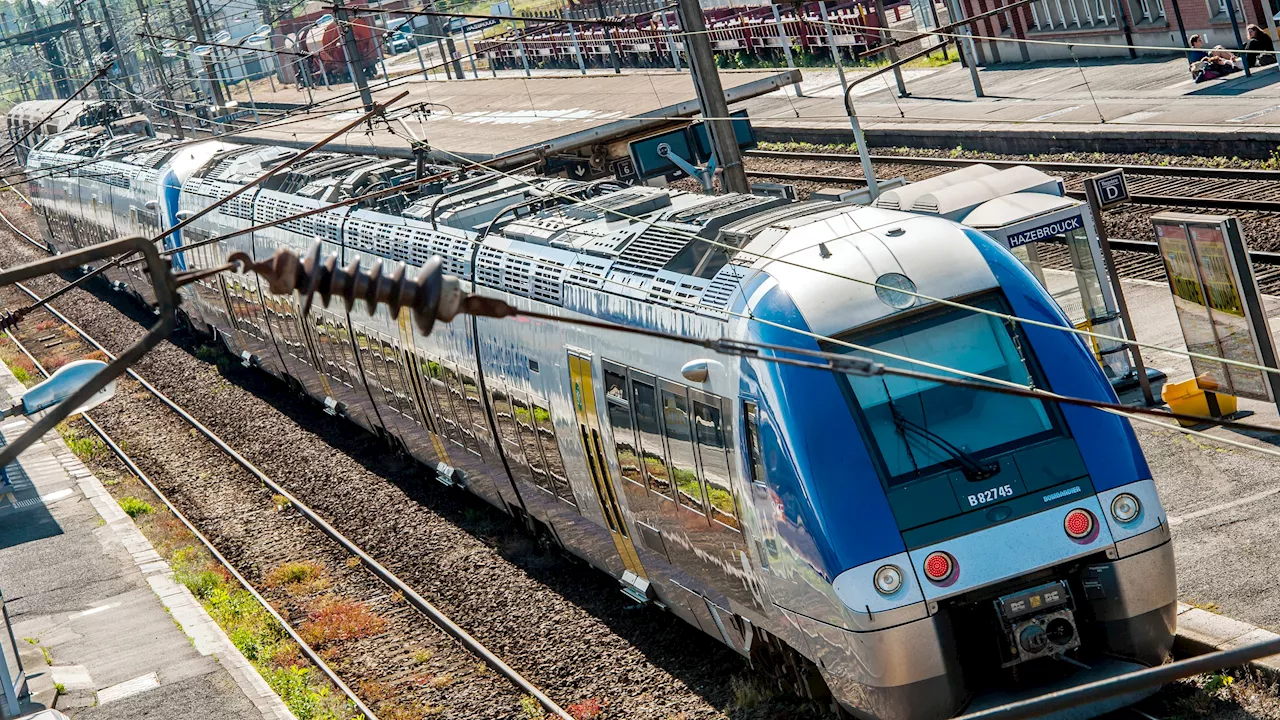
(1211, 64)
(1261, 49)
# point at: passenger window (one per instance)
(507, 431)
(645, 402)
(754, 456)
(474, 405)
(551, 451)
(624, 436)
(683, 469)
(458, 400)
(715, 463)
(529, 440)
(433, 376)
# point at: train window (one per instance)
(340, 336)
(624, 435)
(949, 426)
(457, 399)
(474, 405)
(508, 434)
(709, 432)
(755, 458)
(433, 378)
(551, 451)
(399, 391)
(683, 469)
(529, 440)
(645, 403)
(374, 371)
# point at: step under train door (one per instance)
(635, 581)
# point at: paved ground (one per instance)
(1114, 104)
(480, 119)
(1222, 501)
(95, 609)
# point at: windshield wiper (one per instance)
(970, 465)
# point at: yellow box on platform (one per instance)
(1188, 398)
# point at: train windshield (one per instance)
(921, 427)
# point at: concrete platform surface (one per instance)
(1221, 501)
(485, 118)
(95, 608)
(1111, 105)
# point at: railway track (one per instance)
(1229, 190)
(64, 345)
(384, 594)
(1236, 189)
(558, 622)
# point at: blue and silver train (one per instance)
(905, 546)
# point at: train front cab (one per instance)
(921, 579)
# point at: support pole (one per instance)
(524, 59)
(671, 42)
(122, 63)
(156, 60)
(1271, 25)
(715, 110)
(471, 57)
(84, 47)
(1182, 29)
(884, 34)
(1246, 60)
(786, 47)
(209, 71)
(613, 48)
(1095, 206)
(577, 49)
(968, 52)
(1128, 29)
(864, 153)
(354, 61)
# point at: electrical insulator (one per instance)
(431, 296)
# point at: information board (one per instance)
(1217, 301)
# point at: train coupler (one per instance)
(1038, 623)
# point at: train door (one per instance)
(584, 406)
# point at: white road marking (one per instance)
(1137, 116)
(1054, 113)
(1178, 520)
(57, 495)
(91, 611)
(150, 681)
(1256, 113)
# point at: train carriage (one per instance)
(905, 544)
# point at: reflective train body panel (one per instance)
(804, 518)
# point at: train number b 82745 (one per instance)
(986, 496)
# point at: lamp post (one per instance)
(59, 386)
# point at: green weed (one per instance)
(133, 507)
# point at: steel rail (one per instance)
(1237, 204)
(1206, 173)
(119, 452)
(438, 618)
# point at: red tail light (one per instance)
(1079, 523)
(939, 566)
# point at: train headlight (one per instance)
(1125, 507)
(888, 579)
(939, 566)
(1079, 524)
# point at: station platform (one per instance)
(1113, 105)
(510, 117)
(1108, 105)
(1221, 500)
(102, 629)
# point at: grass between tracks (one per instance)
(309, 695)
